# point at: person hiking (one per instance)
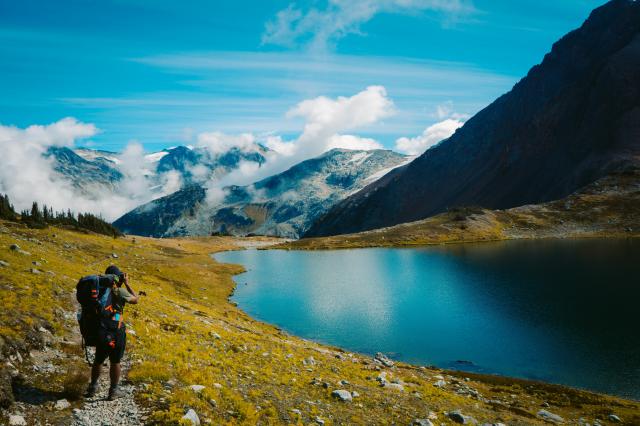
(113, 340)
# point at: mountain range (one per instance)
(95, 171)
(285, 204)
(573, 119)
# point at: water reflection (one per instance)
(561, 311)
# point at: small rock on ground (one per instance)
(197, 388)
(16, 420)
(458, 417)
(62, 404)
(192, 417)
(342, 395)
(550, 417)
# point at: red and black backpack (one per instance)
(98, 316)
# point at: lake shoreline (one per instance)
(460, 372)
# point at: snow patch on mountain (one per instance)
(284, 204)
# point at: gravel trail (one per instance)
(97, 411)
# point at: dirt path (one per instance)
(100, 412)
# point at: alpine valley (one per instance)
(285, 265)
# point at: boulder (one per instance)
(15, 420)
(422, 422)
(457, 417)
(14, 247)
(62, 404)
(440, 384)
(192, 417)
(342, 395)
(614, 418)
(4, 264)
(382, 358)
(550, 417)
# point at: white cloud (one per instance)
(320, 28)
(325, 120)
(430, 137)
(219, 143)
(445, 110)
(353, 142)
(27, 174)
(276, 144)
(60, 133)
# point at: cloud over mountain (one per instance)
(430, 137)
(31, 171)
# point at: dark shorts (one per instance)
(115, 353)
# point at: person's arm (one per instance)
(133, 299)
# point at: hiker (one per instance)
(112, 342)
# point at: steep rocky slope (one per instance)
(88, 175)
(606, 208)
(281, 205)
(573, 119)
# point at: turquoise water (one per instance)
(559, 311)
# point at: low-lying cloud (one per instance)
(28, 174)
(325, 122)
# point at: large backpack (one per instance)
(95, 295)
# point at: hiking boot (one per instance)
(115, 393)
(91, 390)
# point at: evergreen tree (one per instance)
(36, 214)
(6, 209)
(36, 218)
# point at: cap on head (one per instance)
(114, 270)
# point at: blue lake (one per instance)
(559, 311)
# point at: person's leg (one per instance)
(96, 369)
(114, 374)
(114, 370)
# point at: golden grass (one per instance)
(185, 332)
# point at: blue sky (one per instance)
(160, 72)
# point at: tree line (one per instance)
(41, 217)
